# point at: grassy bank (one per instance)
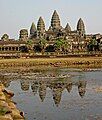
(52, 62)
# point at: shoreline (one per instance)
(8, 109)
(52, 62)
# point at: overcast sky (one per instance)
(18, 14)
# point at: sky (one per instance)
(19, 14)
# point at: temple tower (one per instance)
(23, 34)
(5, 37)
(33, 31)
(55, 21)
(68, 28)
(81, 27)
(41, 25)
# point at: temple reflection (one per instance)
(69, 86)
(34, 87)
(25, 85)
(82, 88)
(42, 90)
(57, 89)
(57, 86)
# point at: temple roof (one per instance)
(41, 24)
(80, 25)
(55, 21)
(33, 28)
(68, 28)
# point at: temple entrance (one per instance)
(37, 48)
(50, 48)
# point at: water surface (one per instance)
(58, 94)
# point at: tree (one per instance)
(66, 46)
(42, 44)
(93, 45)
(59, 44)
(29, 44)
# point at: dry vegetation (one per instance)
(53, 62)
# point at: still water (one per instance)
(58, 94)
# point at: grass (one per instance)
(52, 62)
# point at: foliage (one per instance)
(42, 43)
(59, 43)
(93, 45)
(29, 42)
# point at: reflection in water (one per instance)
(57, 93)
(66, 89)
(24, 85)
(69, 87)
(57, 89)
(42, 90)
(34, 87)
(56, 86)
(5, 81)
(82, 88)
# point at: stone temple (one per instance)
(56, 31)
(77, 40)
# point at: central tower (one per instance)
(55, 21)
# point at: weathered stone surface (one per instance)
(81, 27)
(5, 37)
(68, 28)
(8, 93)
(8, 110)
(6, 117)
(55, 21)
(16, 114)
(23, 34)
(2, 96)
(32, 29)
(41, 25)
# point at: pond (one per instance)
(57, 94)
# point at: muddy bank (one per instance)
(8, 110)
(53, 62)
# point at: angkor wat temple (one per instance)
(56, 39)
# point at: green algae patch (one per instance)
(3, 110)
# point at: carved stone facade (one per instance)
(23, 34)
(75, 38)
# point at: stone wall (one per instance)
(8, 110)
